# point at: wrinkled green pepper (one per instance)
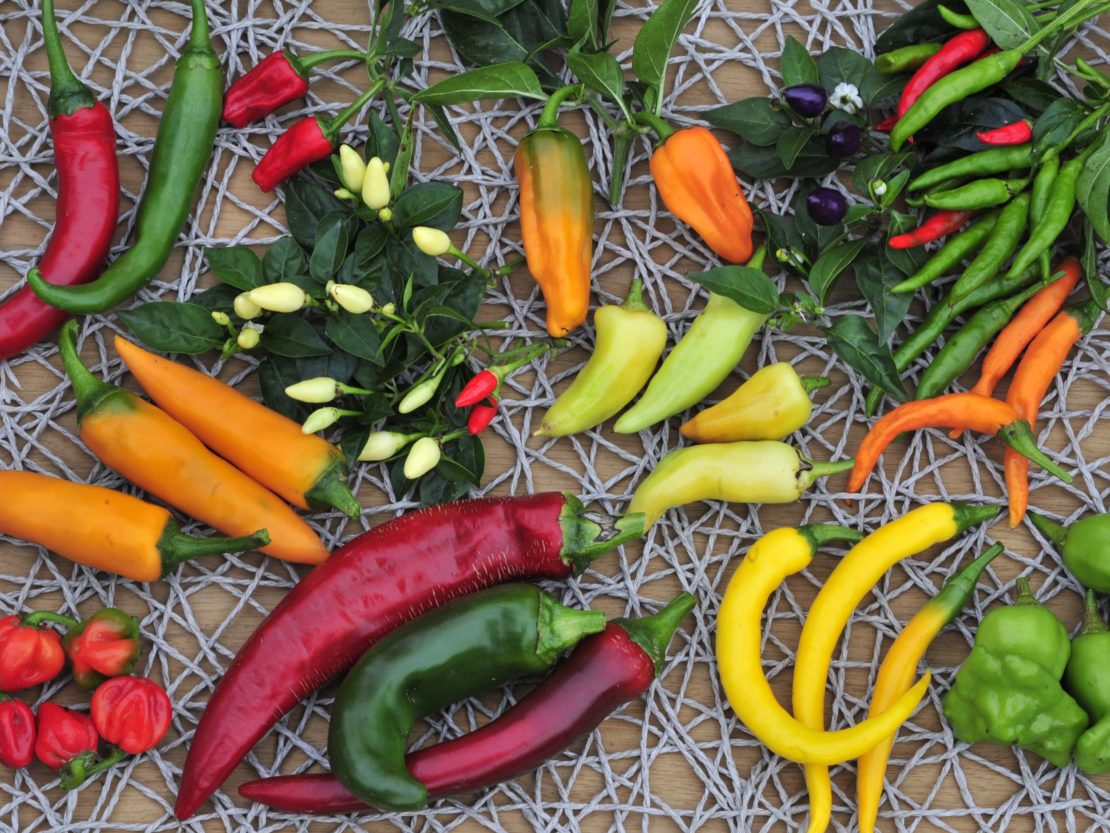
(1084, 546)
(1088, 680)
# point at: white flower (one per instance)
(878, 187)
(846, 97)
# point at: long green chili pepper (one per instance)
(993, 161)
(982, 193)
(960, 21)
(938, 319)
(182, 148)
(999, 248)
(1057, 213)
(950, 254)
(906, 59)
(960, 350)
(1042, 189)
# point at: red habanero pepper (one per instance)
(88, 198)
(105, 645)
(604, 672)
(132, 713)
(17, 733)
(64, 736)
(380, 580)
(959, 50)
(481, 415)
(29, 655)
(939, 225)
(1017, 133)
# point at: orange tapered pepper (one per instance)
(306, 470)
(158, 454)
(100, 528)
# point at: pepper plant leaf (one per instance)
(435, 204)
(853, 340)
(513, 79)
(749, 287)
(331, 247)
(292, 337)
(583, 23)
(831, 265)
(758, 121)
(283, 259)
(355, 334)
(796, 64)
(656, 40)
(171, 327)
(236, 266)
(1094, 189)
(921, 24)
(1008, 22)
(875, 276)
(600, 72)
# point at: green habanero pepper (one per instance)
(1009, 688)
(1088, 680)
(984, 163)
(182, 149)
(468, 646)
(1085, 547)
(999, 248)
(630, 340)
(981, 193)
(950, 254)
(741, 472)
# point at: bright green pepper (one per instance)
(1055, 217)
(1088, 680)
(981, 193)
(948, 255)
(1085, 547)
(630, 340)
(1009, 688)
(984, 163)
(999, 247)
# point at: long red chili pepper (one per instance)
(1038, 367)
(604, 672)
(88, 197)
(1017, 133)
(378, 581)
(959, 50)
(939, 225)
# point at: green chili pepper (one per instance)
(1088, 680)
(1042, 189)
(1084, 546)
(1057, 212)
(981, 193)
(468, 646)
(951, 253)
(960, 350)
(1009, 688)
(906, 59)
(182, 148)
(959, 21)
(999, 248)
(993, 161)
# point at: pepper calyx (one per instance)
(1019, 436)
(816, 470)
(80, 769)
(559, 628)
(331, 491)
(967, 515)
(175, 547)
(819, 534)
(585, 539)
(654, 633)
(1092, 616)
(35, 619)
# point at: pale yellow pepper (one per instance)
(767, 564)
(854, 577)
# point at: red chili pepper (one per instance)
(477, 389)
(378, 581)
(88, 198)
(887, 124)
(605, 671)
(132, 713)
(959, 50)
(481, 415)
(105, 645)
(272, 83)
(17, 733)
(1017, 133)
(64, 736)
(29, 655)
(939, 225)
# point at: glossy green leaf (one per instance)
(853, 340)
(435, 204)
(600, 72)
(831, 265)
(354, 334)
(748, 287)
(796, 64)
(170, 327)
(758, 121)
(651, 51)
(1093, 190)
(1008, 22)
(236, 266)
(513, 79)
(290, 336)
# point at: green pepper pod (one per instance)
(986, 162)
(976, 195)
(999, 248)
(1026, 628)
(1088, 680)
(1056, 215)
(1042, 189)
(468, 646)
(182, 149)
(630, 340)
(906, 58)
(1084, 546)
(950, 254)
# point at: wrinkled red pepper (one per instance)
(64, 736)
(272, 83)
(29, 655)
(17, 733)
(105, 645)
(132, 713)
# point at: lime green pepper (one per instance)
(984, 163)
(950, 254)
(981, 193)
(1085, 547)
(999, 247)
(630, 340)
(1055, 216)
(1009, 688)
(1088, 680)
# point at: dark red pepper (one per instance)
(957, 51)
(17, 733)
(1017, 133)
(604, 672)
(132, 713)
(380, 580)
(107, 644)
(64, 736)
(29, 655)
(270, 84)
(939, 225)
(88, 198)
(481, 415)
(477, 389)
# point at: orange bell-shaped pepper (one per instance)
(697, 184)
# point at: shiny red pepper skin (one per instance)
(1017, 133)
(939, 225)
(481, 415)
(959, 50)
(477, 389)
(380, 580)
(132, 713)
(17, 733)
(29, 655)
(295, 149)
(63, 736)
(104, 645)
(272, 83)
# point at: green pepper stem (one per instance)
(1055, 532)
(1092, 617)
(1019, 436)
(812, 383)
(526, 354)
(33, 619)
(332, 490)
(654, 633)
(820, 534)
(757, 259)
(658, 125)
(316, 58)
(67, 93)
(89, 391)
(198, 35)
(818, 470)
(77, 771)
(559, 628)
(1076, 14)
(634, 300)
(958, 589)
(584, 539)
(967, 515)
(550, 116)
(332, 128)
(1025, 592)
(176, 547)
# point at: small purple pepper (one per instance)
(826, 206)
(843, 140)
(807, 100)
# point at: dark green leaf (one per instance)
(463, 295)
(513, 79)
(290, 336)
(485, 9)
(1008, 22)
(583, 19)
(921, 24)
(218, 297)
(651, 51)
(368, 245)
(1035, 96)
(399, 173)
(446, 128)
(406, 261)
(403, 48)
(841, 65)
(764, 162)
(435, 204)
(331, 247)
(305, 205)
(169, 327)
(355, 334)
(1057, 122)
(435, 488)
(875, 276)
(600, 72)
(275, 374)
(748, 287)
(791, 143)
(383, 141)
(236, 266)
(758, 121)
(906, 261)
(1094, 189)
(1097, 285)
(831, 264)
(853, 340)
(337, 364)
(782, 232)
(282, 259)
(796, 64)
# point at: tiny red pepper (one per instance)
(1017, 133)
(105, 645)
(939, 225)
(132, 713)
(272, 83)
(17, 733)
(29, 655)
(887, 124)
(64, 736)
(481, 415)
(477, 389)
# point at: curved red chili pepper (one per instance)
(1017, 133)
(477, 389)
(17, 733)
(939, 225)
(132, 713)
(481, 415)
(959, 50)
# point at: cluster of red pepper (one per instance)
(131, 714)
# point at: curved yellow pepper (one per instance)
(767, 564)
(853, 579)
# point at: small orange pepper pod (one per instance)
(305, 469)
(699, 186)
(103, 529)
(155, 452)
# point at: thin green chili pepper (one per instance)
(986, 162)
(960, 350)
(959, 21)
(906, 59)
(1057, 213)
(182, 149)
(982, 193)
(999, 248)
(1042, 188)
(951, 253)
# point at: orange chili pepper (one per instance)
(305, 469)
(1038, 367)
(103, 529)
(157, 453)
(698, 185)
(1024, 327)
(953, 410)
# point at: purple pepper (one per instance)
(843, 140)
(826, 206)
(807, 100)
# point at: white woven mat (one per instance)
(680, 762)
